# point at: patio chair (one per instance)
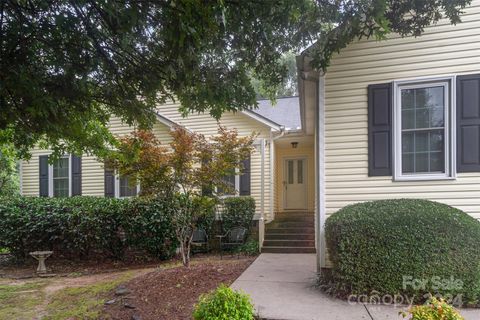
(234, 238)
(200, 241)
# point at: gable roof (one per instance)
(286, 112)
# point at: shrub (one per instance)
(148, 226)
(80, 226)
(374, 245)
(238, 211)
(249, 248)
(224, 304)
(206, 208)
(434, 310)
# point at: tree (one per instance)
(289, 85)
(180, 171)
(9, 180)
(66, 66)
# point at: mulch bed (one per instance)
(171, 293)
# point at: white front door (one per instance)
(295, 184)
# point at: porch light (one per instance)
(294, 145)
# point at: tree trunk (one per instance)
(185, 251)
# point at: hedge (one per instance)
(238, 211)
(374, 245)
(82, 226)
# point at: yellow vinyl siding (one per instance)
(203, 123)
(288, 152)
(443, 50)
(92, 170)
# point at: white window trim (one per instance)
(50, 177)
(450, 129)
(117, 187)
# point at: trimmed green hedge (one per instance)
(238, 211)
(81, 226)
(374, 245)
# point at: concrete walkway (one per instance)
(282, 288)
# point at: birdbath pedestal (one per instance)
(41, 256)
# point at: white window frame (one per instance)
(449, 127)
(117, 187)
(50, 177)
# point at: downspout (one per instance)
(272, 174)
(261, 221)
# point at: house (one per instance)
(398, 118)
(279, 174)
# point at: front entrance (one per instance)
(295, 184)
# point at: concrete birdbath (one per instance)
(41, 256)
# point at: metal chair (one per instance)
(234, 237)
(200, 241)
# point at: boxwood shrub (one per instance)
(82, 226)
(382, 246)
(238, 211)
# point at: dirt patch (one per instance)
(172, 293)
(69, 267)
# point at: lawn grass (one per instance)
(19, 301)
(84, 302)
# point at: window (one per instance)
(61, 177)
(423, 130)
(232, 183)
(127, 186)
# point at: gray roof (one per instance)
(285, 112)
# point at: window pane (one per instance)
(128, 187)
(423, 149)
(407, 142)
(421, 162)
(437, 162)
(60, 178)
(300, 171)
(407, 163)
(290, 171)
(421, 141)
(436, 140)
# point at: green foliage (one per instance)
(224, 304)
(9, 178)
(238, 211)
(81, 226)
(374, 245)
(147, 223)
(434, 310)
(249, 248)
(206, 211)
(67, 66)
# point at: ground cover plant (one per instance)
(408, 247)
(224, 303)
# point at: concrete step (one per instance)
(295, 219)
(288, 250)
(289, 236)
(290, 224)
(273, 230)
(289, 243)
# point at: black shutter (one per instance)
(43, 176)
(109, 183)
(245, 178)
(468, 123)
(380, 110)
(207, 189)
(76, 176)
